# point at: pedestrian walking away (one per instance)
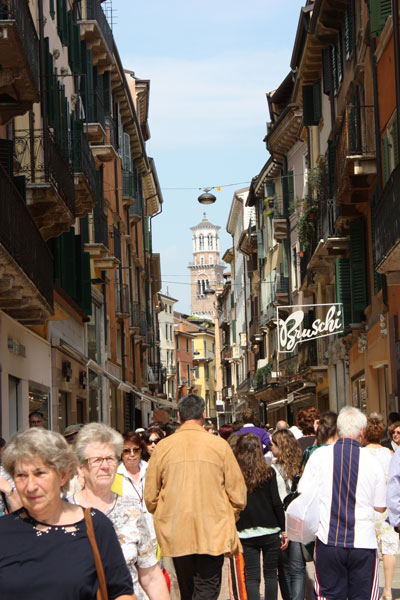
(350, 485)
(195, 489)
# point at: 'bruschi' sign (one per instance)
(291, 330)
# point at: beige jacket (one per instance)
(195, 488)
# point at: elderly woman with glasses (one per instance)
(98, 448)
(45, 551)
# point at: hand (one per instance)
(5, 486)
(284, 541)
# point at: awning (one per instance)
(155, 399)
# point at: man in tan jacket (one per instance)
(196, 490)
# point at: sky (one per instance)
(210, 64)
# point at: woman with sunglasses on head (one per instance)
(151, 437)
(131, 474)
(99, 448)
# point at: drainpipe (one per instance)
(372, 48)
(395, 13)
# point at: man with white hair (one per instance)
(350, 485)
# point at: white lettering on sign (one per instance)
(291, 331)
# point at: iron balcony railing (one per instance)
(15, 10)
(122, 299)
(83, 161)
(356, 137)
(128, 184)
(387, 217)
(135, 314)
(100, 226)
(22, 240)
(171, 370)
(155, 372)
(41, 160)
(94, 12)
(282, 284)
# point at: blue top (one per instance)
(259, 432)
(42, 563)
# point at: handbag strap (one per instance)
(96, 554)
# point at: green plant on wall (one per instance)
(307, 208)
(263, 374)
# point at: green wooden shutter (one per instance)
(290, 188)
(6, 155)
(327, 70)
(285, 195)
(233, 332)
(87, 86)
(62, 21)
(349, 29)
(52, 9)
(358, 270)
(107, 92)
(334, 69)
(317, 101)
(379, 10)
(260, 244)
(339, 54)
(395, 143)
(343, 288)
(377, 276)
(68, 279)
(146, 234)
(74, 45)
(83, 288)
(308, 105)
(386, 159)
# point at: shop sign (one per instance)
(291, 329)
(16, 347)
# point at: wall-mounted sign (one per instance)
(291, 329)
(16, 347)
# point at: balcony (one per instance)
(227, 392)
(279, 222)
(355, 163)
(50, 193)
(122, 301)
(26, 265)
(256, 335)
(85, 176)
(268, 316)
(19, 51)
(226, 353)
(128, 188)
(97, 243)
(171, 370)
(387, 230)
(136, 211)
(154, 375)
(96, 31)
(281, 289)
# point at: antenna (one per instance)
(110, 13)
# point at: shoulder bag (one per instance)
(102, 593)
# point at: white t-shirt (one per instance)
(354, 527)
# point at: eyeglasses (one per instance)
(128, 451)
(96, 461)
(150, 442)
(396, 432)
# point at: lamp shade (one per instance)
(206, 198)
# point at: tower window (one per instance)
(201, 241)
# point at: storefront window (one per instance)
(63, 411)
(39, 400)
(359, 392)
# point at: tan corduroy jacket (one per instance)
(196, 490)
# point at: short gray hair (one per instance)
(191, 407)
(97, 433)
(350, 422)
(49, 446)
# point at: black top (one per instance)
(264, 508)
(306, 441)
(58, 563)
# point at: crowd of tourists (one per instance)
(153, 513)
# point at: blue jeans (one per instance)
(252, 547)
(291, 571)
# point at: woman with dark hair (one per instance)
(261, 524)
(291, 566)
(151, 437)
(326, 434)
(388, 539)
(225, 430)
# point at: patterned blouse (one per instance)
(133, 535)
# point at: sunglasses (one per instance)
(150, 442)
(128, 451)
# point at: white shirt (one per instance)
(370, 491)
(135, 490)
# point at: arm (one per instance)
(152, 485)
(276, 502)
(153, 582)
(393, 490)
(126, 597)
(12, 496)
(235, 486)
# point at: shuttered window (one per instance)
(260, 244)
(386, 159)
(107, 92)
(349, 29)
(331, 167)
(312, 103)
(339, 54)
(379, 10)
(62, 21)
(358, 270)
(395, 143)
(74, 45)
(343, 288)
(327, 70)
